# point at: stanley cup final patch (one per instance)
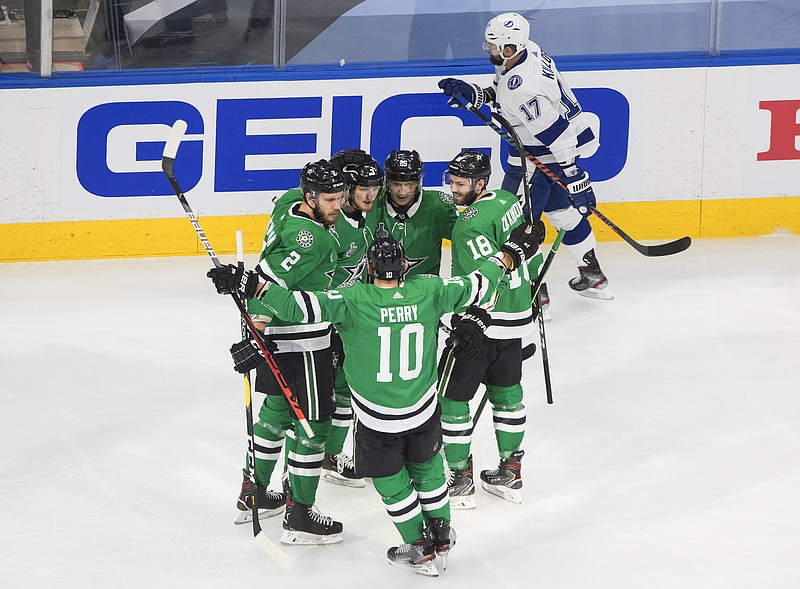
(305, 239)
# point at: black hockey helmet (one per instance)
(386, 258)
(358, 168)
(472, 164)
(403, 166)
(321, 176)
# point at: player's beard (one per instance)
(322, 218)
(496, 59)
(469, 198)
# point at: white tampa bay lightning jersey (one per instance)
(542, 108)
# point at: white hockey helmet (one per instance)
(508, 28)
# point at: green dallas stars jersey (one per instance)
(353, 234)
(479, 232)
(298, 253)
(390, 338)
(420, 229)
(283, 205)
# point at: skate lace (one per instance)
(319, 518)
(344, 462)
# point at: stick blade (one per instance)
(667, 249)
(282, 559)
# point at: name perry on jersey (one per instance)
(402, 314)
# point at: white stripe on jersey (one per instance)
(405, 419)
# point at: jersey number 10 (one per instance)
(409, 368)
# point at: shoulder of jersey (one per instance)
(305, 232)
(469, 213)
(446, 198)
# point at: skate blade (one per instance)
(426, 569)
(442, 560)
(512, 495)
(603, 294)
(246, 517)
(295, 538)
(462, 502)
(344, 481)
(546, 315)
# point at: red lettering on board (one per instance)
(784, 130)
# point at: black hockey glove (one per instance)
(580, 190)
(466, 338)
(471, 93)
(231, 279)
(523, 243)
(247, 355)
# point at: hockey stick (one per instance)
(279, 556)
(537, 285)
(536, 300)
(651, 251)
(167, 165)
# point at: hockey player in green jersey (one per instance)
(299, 252)
(389, 331)
(418, 219)
(485, 223)
(354, 231)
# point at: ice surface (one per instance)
(670, 458)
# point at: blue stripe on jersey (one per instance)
(585, 136)
(535, 150)
(553, 132)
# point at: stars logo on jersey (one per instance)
(305, 239)
(514, 82)
(446, 198)
(468, 213)
(413, 262)
(354, 273)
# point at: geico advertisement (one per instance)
(672, 134)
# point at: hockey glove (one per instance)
(230, 279)
(247, 355)
(523, 243)
(466, 338)
(471, 93)
(580, 190)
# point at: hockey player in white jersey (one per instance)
(530, 92)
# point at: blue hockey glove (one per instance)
(471, 93)
(580, 191)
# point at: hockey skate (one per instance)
(461, 488)
(340, 470)
(305, 525)
(269, 503)
(506, 480)
(591, 282)
(419, 557)
(444, 538)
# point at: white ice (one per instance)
(670, 458)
